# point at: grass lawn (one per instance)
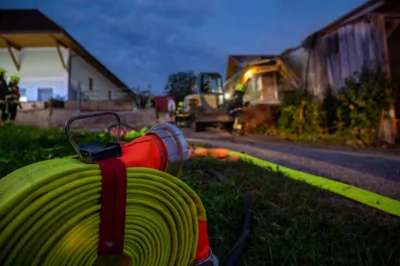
(293, 223)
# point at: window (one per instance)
(45, 94)
(22, 95)
(211, 83)
(90, 84)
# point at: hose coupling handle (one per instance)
(95, 151)
(211, 260)
(175, 146)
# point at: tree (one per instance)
(180, 84)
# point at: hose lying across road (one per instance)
(363, 196)
(50, 215)
(380, 202)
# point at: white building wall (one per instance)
(82, 72)
(40, 68)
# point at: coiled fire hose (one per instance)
(66, 212)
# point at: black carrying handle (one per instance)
(89, 115)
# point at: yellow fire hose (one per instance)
(380, 202)
(49, 215)
(363, 196)
(115, 199)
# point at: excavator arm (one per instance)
(259, 67)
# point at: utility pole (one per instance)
(148, 98)
(138, 98)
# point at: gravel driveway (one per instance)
(376, 171)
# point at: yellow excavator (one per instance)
(260, 67)
(206, 106)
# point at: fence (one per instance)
(79, 91)
(80, 94)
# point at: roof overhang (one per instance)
(353, 15)
(27, 40)
(45, 33)
(364, 11)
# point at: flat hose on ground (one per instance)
(50, 215)
(389, 205)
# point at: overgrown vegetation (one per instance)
(300, 115)
(350, 116)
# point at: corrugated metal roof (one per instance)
(364, 9)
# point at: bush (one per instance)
(353, 113)
(329, 107)
(362, 100)
(300, 114)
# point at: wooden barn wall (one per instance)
(339, 54)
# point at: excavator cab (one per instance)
(205, 106)
(209, 83)
(207, 92)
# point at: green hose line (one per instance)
(50, 215)
(366, 197)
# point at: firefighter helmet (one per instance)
(14, 79)
(239, 87)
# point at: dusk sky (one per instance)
(143, 41)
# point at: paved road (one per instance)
(369, 169)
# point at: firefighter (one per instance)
(12, 98)
(180, 108)
(3, 94)
(235, 109)
(206, 87)
(178, 111)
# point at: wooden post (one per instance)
(59, 44)
(10, 47)
(61, 57)
(374, 26)
(386, 63)
(13, 58)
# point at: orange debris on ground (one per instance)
(218, 153)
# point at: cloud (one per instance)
(144, 40)
(141, 41)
